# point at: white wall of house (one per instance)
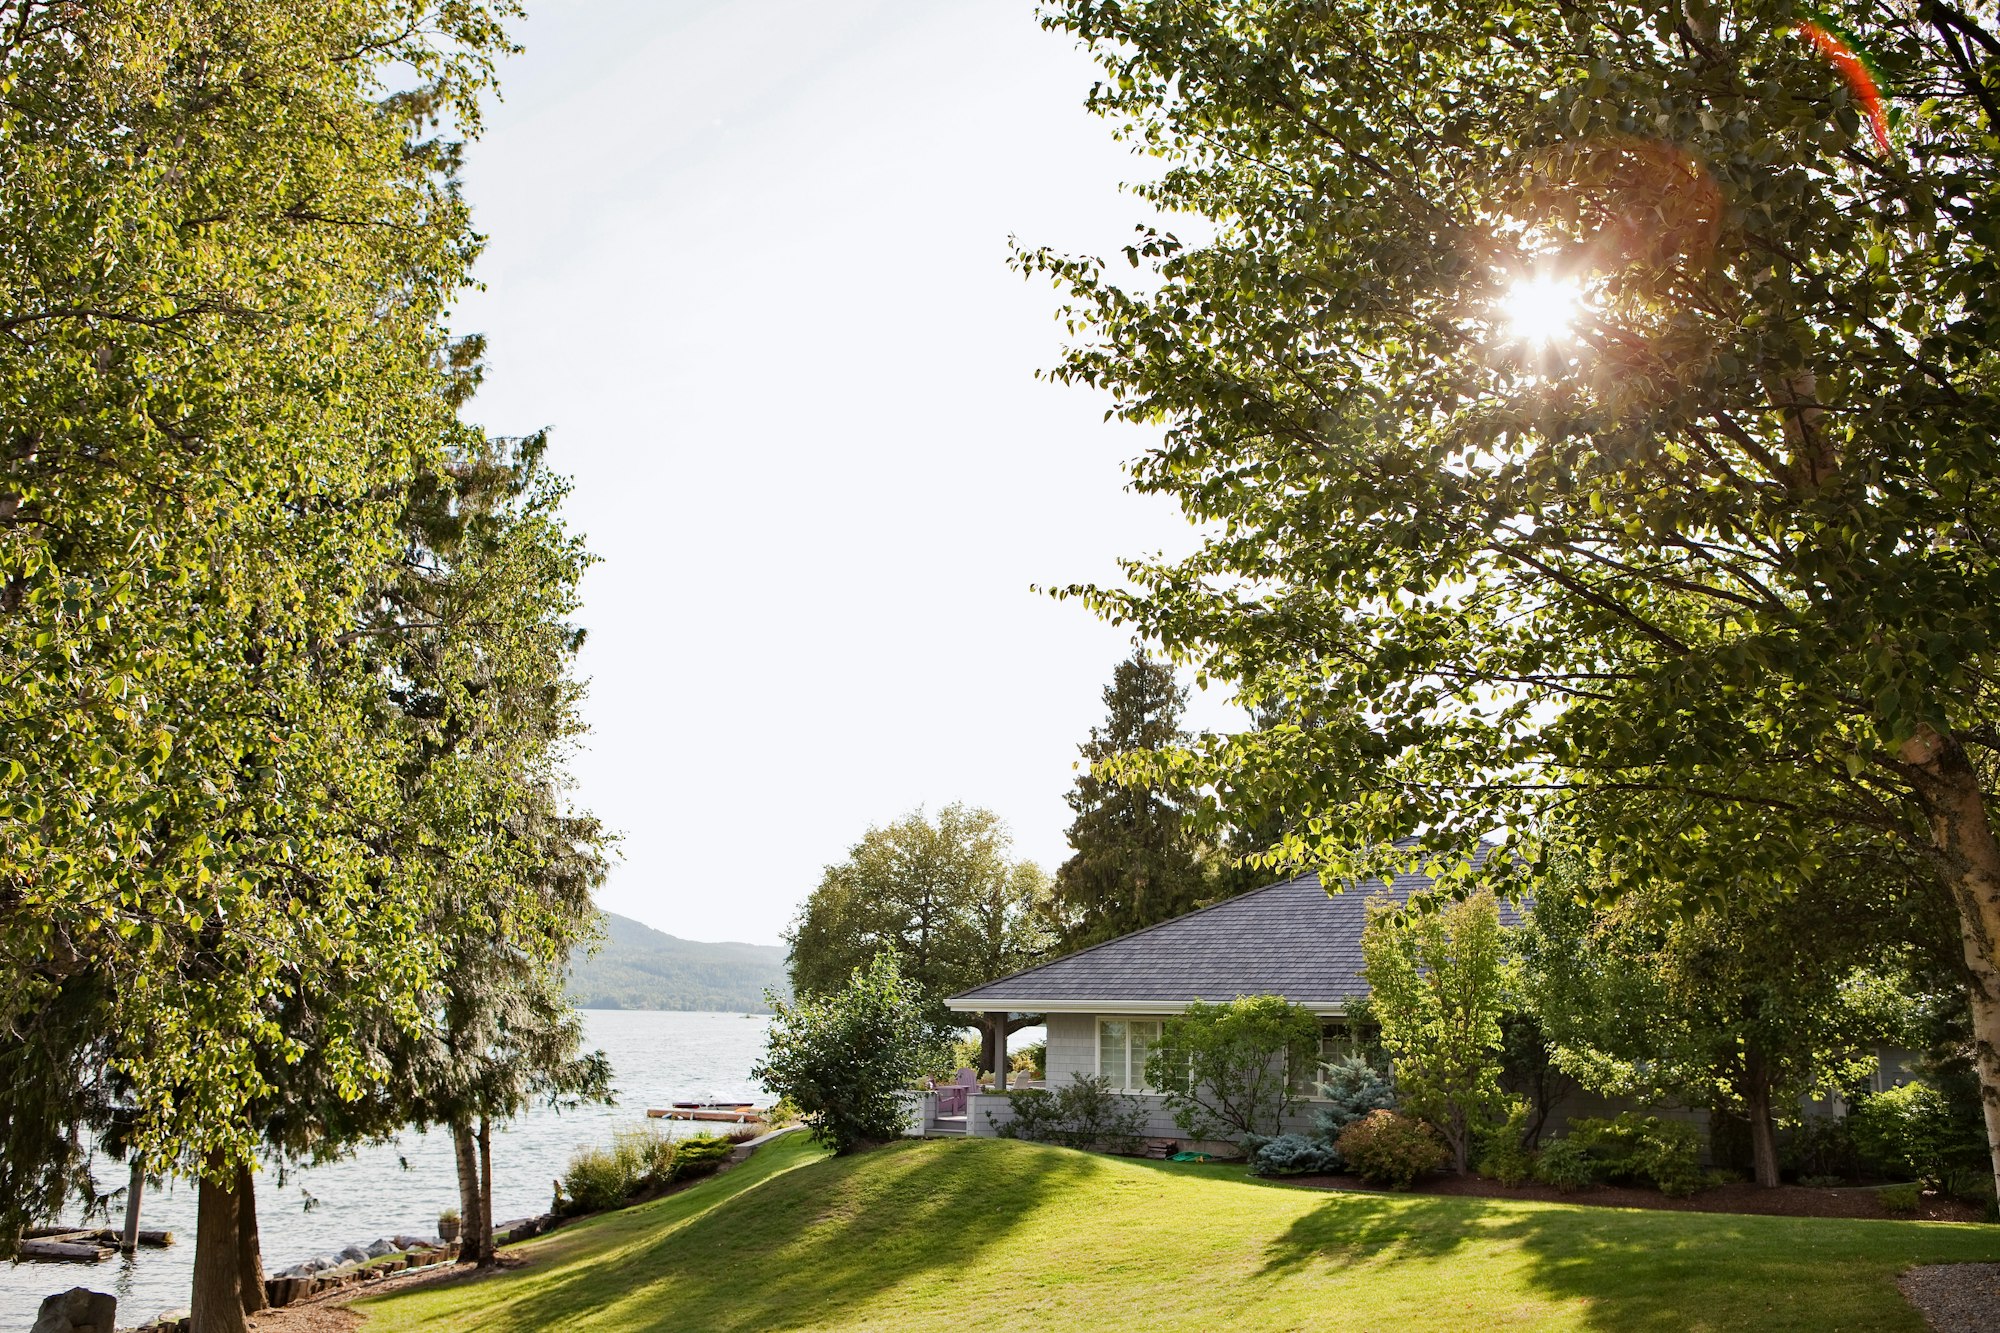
(1084, 1044)
(1077, 1044)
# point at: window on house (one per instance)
(1337, 1041)
(1122, 1046)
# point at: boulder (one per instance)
(353, 1254)
(412, 1242)
(78, 1310)
(383, 1247)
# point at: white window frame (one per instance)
(1131, 1081)
(1336, 1038)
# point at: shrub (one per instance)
(650, 1154)
(1915, 1130)
(600, 1178)
(1900, 1198)
(1822, 1182)
(1565, 1164)
(1294, 1155)
(596, 1180)
(847, 1059)
(1387, 1148)
(700, 1156)
(1351, 1088)
(1646, 1149)
(1504, 1154)
(1086, 1114)
(1030, 1060)
(1820, 1146)
(1972, 1185)
(1223, 1067)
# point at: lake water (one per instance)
(656, 1059)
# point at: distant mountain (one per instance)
(638, 967)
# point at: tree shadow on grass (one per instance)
(804, 1246)
(1630, 1270)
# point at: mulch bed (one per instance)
(1784, 1201)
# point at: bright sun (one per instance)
(1542, 309)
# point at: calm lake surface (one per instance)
(656, 1059)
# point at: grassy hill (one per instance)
(638, 967)
(941, 1235)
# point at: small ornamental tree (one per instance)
(844, 1059)
(1228, 1070)
(1438, 981)
(1351, 1089)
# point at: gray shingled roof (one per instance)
(1292, 939)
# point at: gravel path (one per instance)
(1955, 1298)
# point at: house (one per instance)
(1104, 1004)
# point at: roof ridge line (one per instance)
(1386, 883)
(1146, 930)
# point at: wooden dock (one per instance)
(724, 1113)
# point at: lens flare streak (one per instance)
(1848, 63)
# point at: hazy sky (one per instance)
(749, 260)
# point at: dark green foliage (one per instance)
(1641, 1149)
(1821, 1147)
(849, 1060)
(1349, 1089)
(1137, 858)
(637, 967)
(701, 1155)
(1901, 1199)
(1295, 1155)
(1917, 1132)
(1086, 1114)
(1565, 1164)
(1387, 1148)
(1226, 1069)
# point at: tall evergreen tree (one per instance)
(1136, 855)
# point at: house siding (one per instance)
(1072, 1051)
(1072, 1048)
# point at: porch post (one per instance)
(999, 1025)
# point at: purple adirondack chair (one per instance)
(951, 1097)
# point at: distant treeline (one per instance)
(641, 968)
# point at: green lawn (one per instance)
(943, 1235)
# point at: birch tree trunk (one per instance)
(1969, 864)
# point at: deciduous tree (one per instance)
(942, 895)
(1576, 399)
(1438, 984)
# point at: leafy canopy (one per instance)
(1726, 540)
